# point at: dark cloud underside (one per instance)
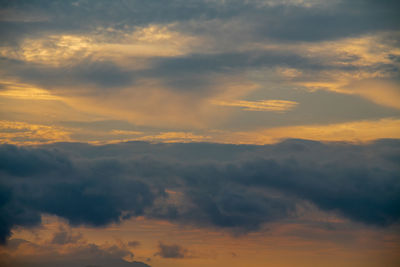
(229, 186)
(296, 22)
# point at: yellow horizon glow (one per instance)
(354, 132)
(21, 133)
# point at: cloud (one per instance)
(383, 92)
(174, 137)
(195, 73)
(101, 74)
(261, 105)
(81, 196)
(133, 243)
(14, 132)
(181, 57)
(25, 91)
(360, 131)
(288, 20)
(234, 187)
(23, 253)
(83, 53)
(171, 251)
(345, 19)
(64, 237)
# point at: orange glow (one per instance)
(358, 131)
(207, 247)
(21, 133)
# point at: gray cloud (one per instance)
(103, 75)
(192, 72)
(63, 237)
(281, 21)
(171, 251)
(133, 243)
(226, 186)
(83, 255)
(49, 182)
(344, 19)
(285, 22)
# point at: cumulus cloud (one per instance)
(234, 187)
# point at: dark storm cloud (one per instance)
(46, 181)
(229, 186)
(171, 251)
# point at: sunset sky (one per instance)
(220, 133)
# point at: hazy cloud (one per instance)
(86, 72)
(171, 251)
(63, 237)
(285, 19)
(133, 243)
(195, 52)
(85, 254)
(261, 105)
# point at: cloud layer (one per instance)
(118, 61)
(209, 185)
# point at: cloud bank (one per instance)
(234, 187)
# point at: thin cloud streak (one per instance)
(260, 105)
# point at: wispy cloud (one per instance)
(13, 132)
(260, 105)
(13, 89)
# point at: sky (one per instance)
(199, 133)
